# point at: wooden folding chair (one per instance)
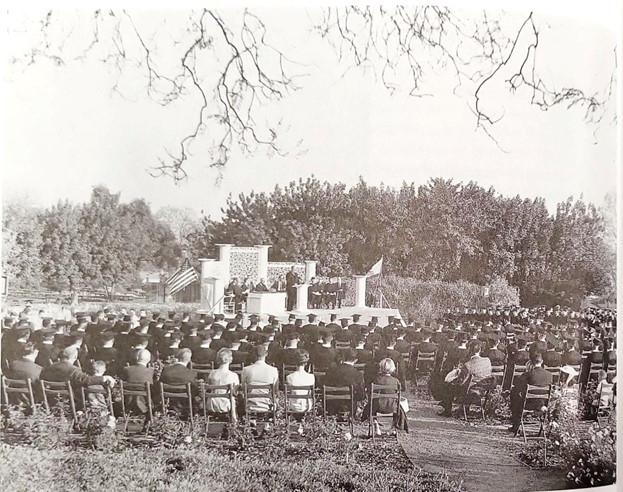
(498, 373)
(594, 369)
(340, 393)
(203, 370)
(254, 394)
(383, 391)
(56, 391)
(424, 357)
(180, 392)
(518, 370)
(319, 376)
(102, 390)
(294, 393)
(475, 394)
(129, 393)
(21, 388)
(555, 372)
(285, 370)
(210, 394)
(604, 409)
(538, 397)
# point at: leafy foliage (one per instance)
(441, 231)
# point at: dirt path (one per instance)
(478, 455)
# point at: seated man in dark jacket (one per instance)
(65, 370)
(178, 372)
(25, 367)
(138, 373)
(534, 376)
(345, 374)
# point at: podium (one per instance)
(266, 302)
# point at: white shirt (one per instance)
(260, 373)
(219, 377)
(300, 378)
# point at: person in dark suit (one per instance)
(178, 372)
(571, 357)
(345, 374)
(65, 370)
(344, 334)
(535, 376)
(138, 373)
(292, 279)
(324, 356)
(495, 355)
(551, 358)
(25, 367)
(540, 344)
(204, 354)
(48, 352)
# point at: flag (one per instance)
(376, 268)
(182, 278)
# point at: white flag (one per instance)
(376, 268)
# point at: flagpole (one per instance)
(381, 285)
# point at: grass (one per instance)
(66, 469)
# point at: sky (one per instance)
(65, 131)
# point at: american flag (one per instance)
(182, 278)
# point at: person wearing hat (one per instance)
(262, 374)
(204, 354)
(310, 330)
(551, 358)
(344, 334)
(105, 352)
(171, 349)
(13, 343)
(534, 376)
(332, 326)
(238, 356)
(25, 367)
(345, 374)
(324, 355)
(217, 338)
(363, 351)
(355, 326)
(48, 351)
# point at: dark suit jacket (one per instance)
(344, 375)
(572, 358)
(536, 377)
(63, 371)
(178, 374)
(552, 359)
(137, 374)
(48, 354)
(24, 369)
(496, 357)
(203, 355)
(323, 357)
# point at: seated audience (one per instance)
(300, 377)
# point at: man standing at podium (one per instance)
(292, 280)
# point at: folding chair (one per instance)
(377, 392)
(178, 392)
(22, 388)
(57, 391)
(555, 372)
(212, 393)
(518, 370)
(340, 393)
(474, 396)
(285, 370)
(594, 369)
(537, 397)
(297, 393)
(255, 394)
(203, 370)
(129, 393)
(424, 357)
(604, 409)
(498, 373)
(237, 368)
(103, 390)
(229, 304)
(342, 345)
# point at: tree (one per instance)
(182, 221)
(64, 251)
(21, 240)
(228, 64)
(114, 255)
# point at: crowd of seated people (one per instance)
(557, 341)
(103, 347)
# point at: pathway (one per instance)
(478, 455)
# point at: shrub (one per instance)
(429, 300)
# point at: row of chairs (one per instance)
(52, 392)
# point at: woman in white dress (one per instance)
(300, 377)
(219, 377)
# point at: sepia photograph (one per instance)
(293, 246)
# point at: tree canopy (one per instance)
(438, 231)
